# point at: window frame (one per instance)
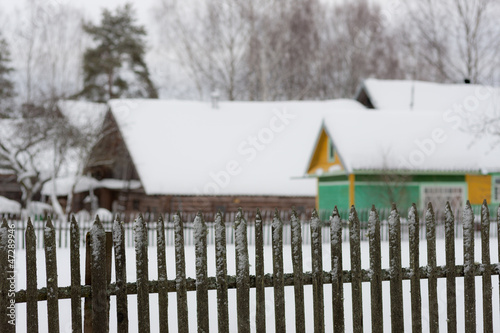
(331, 151)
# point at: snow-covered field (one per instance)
(65, 309)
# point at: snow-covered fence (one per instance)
(99, 290)
(63, 228)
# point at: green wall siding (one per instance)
(333, 195)
(382, 195)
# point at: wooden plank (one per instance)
(469, 278)
(76, 299)
(100, 320)
(485, 258)
(200, 241)
(430, 228)
(141, 263)
(397, 316)
(278, 279)
(414, 240)
(355, 246)
(242, 273)
(260, 293)
(162, 275)
(296, 242)
(221, 273)
(7, 277)
(87, 314)
(337, 273)
(31, 281)
(180, 276)
(376, 271)
(49, 237)
(317, 273)
(451, 297)
(120, 276)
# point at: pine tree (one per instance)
(115, 67)
(6, 84)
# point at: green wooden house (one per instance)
(380, 157)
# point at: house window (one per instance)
(331, 151)
(439, 195)
(496, 189)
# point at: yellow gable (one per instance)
(325, 158)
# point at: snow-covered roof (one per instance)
(412, 141)
(240, 148)
(64, 185)
(406, 95)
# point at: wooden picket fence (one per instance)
(97, 289)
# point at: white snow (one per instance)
(423, 141)
(86, 116)
(84, 183)
(8, 206)
(241, 148)
(401, 94)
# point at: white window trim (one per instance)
(495, 189)
(443, 185)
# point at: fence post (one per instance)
(76, 299)
(357, 298)
(141, 263)
(7, 278)
(376, 272)
(31, 280)
(200, 241)
(337, 273)
(242, 273)
(469, 270)
(451, 298)
(121, 276)
(296, 240)
(430, 226)
(51, 269)
(260, 293)
(485, 258)
(180, 276)
(397, 319)
(414, 243)
(278, 278)
(221, 273)
(98, 272)
(317, 273)
(162, 275)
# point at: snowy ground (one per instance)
(65, 310)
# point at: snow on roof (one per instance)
(63, 185)
(395, 140)
(402, 94)
(240, 148)
(8, 206)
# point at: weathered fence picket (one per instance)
(162, 275)
(242, 273)
(430, 227)
(469, 270)
(260, 292)
(7, 278)
(98, 289)
(337, 273)
(180, 276)
(485, 258)
(355, 245)
(120, 276)
(200, 237)
(397, 317)
(317, 273)
(298, 284)
(278, 277)
(221, 273)
(376, 272)
(51, 274)
(76, 299)
(31, 282)
(416, 303)
(451, 298)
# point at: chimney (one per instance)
(215, 99)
